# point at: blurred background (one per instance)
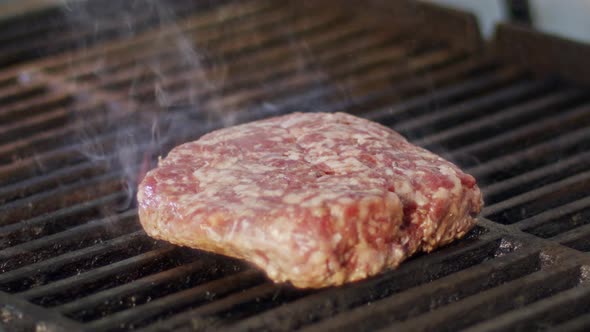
(567, 18)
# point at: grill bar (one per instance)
(542, 129)
(530, 180)
(576, 238)
(115, 247)
(45, 117)
(456, 91)
(93, 302)
(562, 143)
(68, 172)
(25, 108)
(505, 96)
(475, 276)
(480, 279)
(69, 148)
(42, 141)
(71, 239)
(510, 295)
(34, 314)
(59, 220)
(312, 81)
(61, 176)
(54, 159)
(226, 286)
(65, 32)
(13, 93)
(105, 272)
(575, 325)
(559, 308)
(517, 115)
(281, 66)
(127, 57)
(316, 305)
(225, 49)
(225, 304)
(566, 187)
(463, 257)
(44, 202)
(539, 224)
(218, 16)
(52, 135)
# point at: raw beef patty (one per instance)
(316, 199)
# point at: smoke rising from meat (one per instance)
(174, 79)
(171, 87)
(138, 123)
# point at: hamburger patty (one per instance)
(316, 199)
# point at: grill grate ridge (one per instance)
(439, 293)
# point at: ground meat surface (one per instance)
(316, 199)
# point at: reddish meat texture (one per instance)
(316, 199)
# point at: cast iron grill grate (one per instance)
(77, 131)
(54, 29)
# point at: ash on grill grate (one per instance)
(79, 129)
